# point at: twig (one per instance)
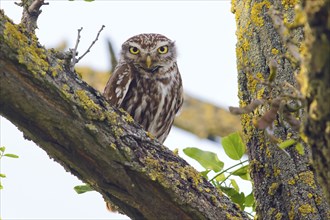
(88, 50)
(20, 4)
(74, 51)
(241, 163)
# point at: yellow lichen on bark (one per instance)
(28, 52)
(289, 3)
(256, 18)
(306, 209)
(93, 110)
(307, 177)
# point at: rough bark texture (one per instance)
(196, 116)
(100, 145)
(315, 85)
(285, 185)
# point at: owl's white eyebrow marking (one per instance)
(163, 43)
(133, 44)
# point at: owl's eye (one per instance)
(134, 50)
(163, 49)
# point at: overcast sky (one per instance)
(204, 31)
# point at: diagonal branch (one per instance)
(100, 145)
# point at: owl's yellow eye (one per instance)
(162, 49)
(134, 50)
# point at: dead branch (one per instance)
(74, 51)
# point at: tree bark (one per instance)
(285, 185)
(315, 85)
(100, 145)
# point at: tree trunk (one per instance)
(285, 185)
(100, 145)
(315, 85)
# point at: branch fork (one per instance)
(74, 51)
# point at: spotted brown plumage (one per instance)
(147, 84)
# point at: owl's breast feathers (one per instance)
(152, 101)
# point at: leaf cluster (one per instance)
(3, 154)
(224, 178)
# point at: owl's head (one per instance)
(149, 52)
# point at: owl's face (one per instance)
(149, 53)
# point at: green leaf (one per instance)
(220, 177)
(229, 191)
(1, 187)
(2, 175)
(242, 172)
(287, 143)
(11, 155)
(300, 149)
(83, 188)
(207, 159)
(233, 146)
(204, 174)
(239, 198)
(234, 184)
(249, 200)
(235, 196)
(2, 149)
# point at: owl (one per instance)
(147, 83)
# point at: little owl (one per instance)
(147, 84)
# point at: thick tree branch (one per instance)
(100, 145)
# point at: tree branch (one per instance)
(93, 42)
(74, 51)
(100, 145)
(31, 12)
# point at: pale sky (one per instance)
(204, 31)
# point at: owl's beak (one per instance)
(148, 61)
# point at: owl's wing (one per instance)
(118, 84)
(179, 102)
(178, 105)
